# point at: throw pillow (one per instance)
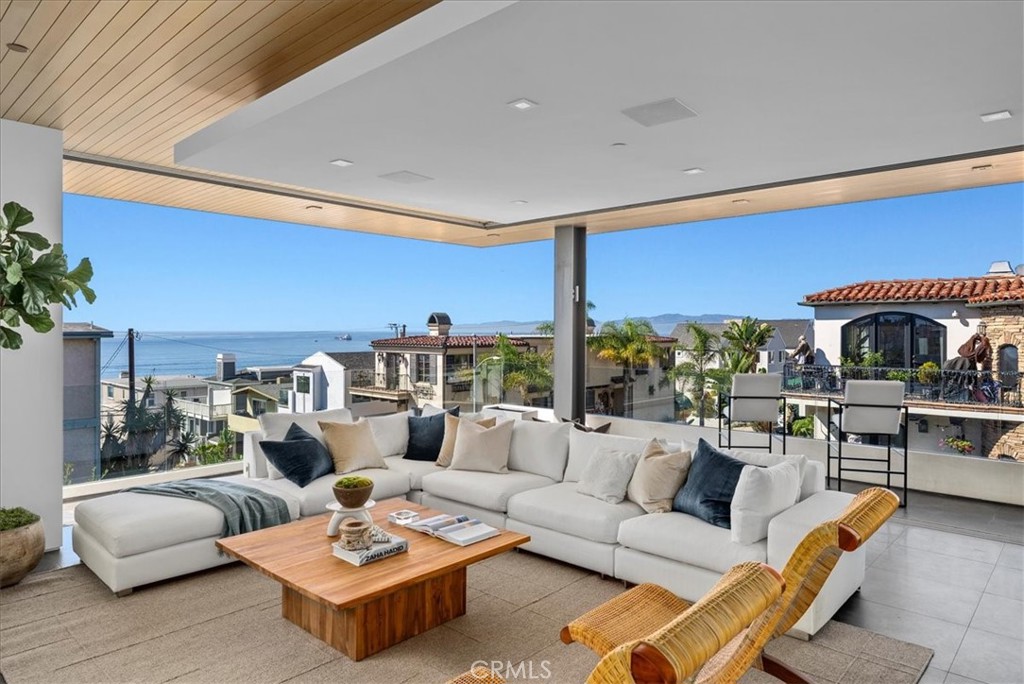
(766, 459)
(658, 476)
(583, 427)
(540, 448)
(426, 434)
(431, 410)
(483, 449)
(352, 446)
(709, 486)
(607, 475)
(451, 428)
(582, 446)
(275, 426)
(761, 494)
(300, 457)
(391, 432)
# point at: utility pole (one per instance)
(131, 367)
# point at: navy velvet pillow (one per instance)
(710, 485)
(300, 457)
(426, 434)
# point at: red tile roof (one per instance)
(980, 290)
(438, 341)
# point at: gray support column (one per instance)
(570, 321)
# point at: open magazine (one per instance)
(457, 529)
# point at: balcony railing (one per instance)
(970, 387)
(390, 382)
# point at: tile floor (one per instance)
(946, 573)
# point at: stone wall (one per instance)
(1002, 438)
(1005, 326)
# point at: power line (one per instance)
(117, 351)
(206, 346)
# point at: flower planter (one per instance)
(353, 497)
(20, 551)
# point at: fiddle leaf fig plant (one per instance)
(30, 282)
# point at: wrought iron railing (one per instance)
(385, 381)
(920, 384)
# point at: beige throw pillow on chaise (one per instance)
(352, 446)
(657, 478)
(483, 449)
(451, 429)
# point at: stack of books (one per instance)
(384, 546)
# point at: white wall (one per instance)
(32, 378)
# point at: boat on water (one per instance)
(343, 336)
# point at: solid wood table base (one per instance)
(380, 623)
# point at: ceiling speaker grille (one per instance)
(660, 112)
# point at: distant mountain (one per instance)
(663, 323)
(673, 318)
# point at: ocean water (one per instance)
(195, 353)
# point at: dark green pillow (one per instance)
(426, 434)
(710, 485)
(301, 458)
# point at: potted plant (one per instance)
(29, 283)
(353, 491)
(22, 543)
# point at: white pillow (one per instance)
(480, 448)
(430, 410)
(391, 432)
(352, 446)
(540, 448)
(607, 474)
(582, 446)
(761, 494)
(766, 459)
(276, 425)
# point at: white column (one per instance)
(570, 321)
(32, 378)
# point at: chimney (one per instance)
(1019, 270)
(1000, 268)
(225, 366)
(439, 324)
(403, 330)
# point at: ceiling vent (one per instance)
(661, 112)
(1000, 268)
(406, 177)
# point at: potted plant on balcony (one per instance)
(353, 491)
(22, 543)
(30, 282)
(928, 375)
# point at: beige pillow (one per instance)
(352, 446)
(480, 448)
(451, 429)
(657, 478)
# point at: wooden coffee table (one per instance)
(363, 610)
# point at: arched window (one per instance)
(904, 340)
(1009, 370)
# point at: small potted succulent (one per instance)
(353, 491)
(22, 543)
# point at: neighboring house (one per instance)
(221, 400)
(324, 381)
(911, 322)
(252, 401)
(82, 400)
(787, 331)
(189, 390)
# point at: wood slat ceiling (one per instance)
(127, 79)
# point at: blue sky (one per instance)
(158, 268)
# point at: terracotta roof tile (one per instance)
(438, 341)
(980, 290)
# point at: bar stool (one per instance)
(754, 399)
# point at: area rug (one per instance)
(225, 625)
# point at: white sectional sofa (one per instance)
(132, 539)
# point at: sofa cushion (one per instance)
(484, 490)
(562, 509)
(539, 448)
(415, 469)
(390, 432)
(451, 433)
(352, 446)
(767, 459)
(482, 448)
(276, 425)
(127, 523)
(314, 497)
(582, 446)
(426, 435)
(658, 476)
(684, 538)
(607, 475)
(761, 494)
(300, 457)
(710, 485)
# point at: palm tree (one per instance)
(178, 450)
(746, 337)
(702, 351)
(524, 370)
(629, 345)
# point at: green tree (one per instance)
(628, 345)
(524, 370)
(29, 283)
(700, 355)
(179, 450)
(745, 337)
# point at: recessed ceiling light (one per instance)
(519, 202)
(981, 167)
(741, 201)
(16, 47)
(341, 162)
(695, 171)
(994, 116)
(314, 206)
(522, 104)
